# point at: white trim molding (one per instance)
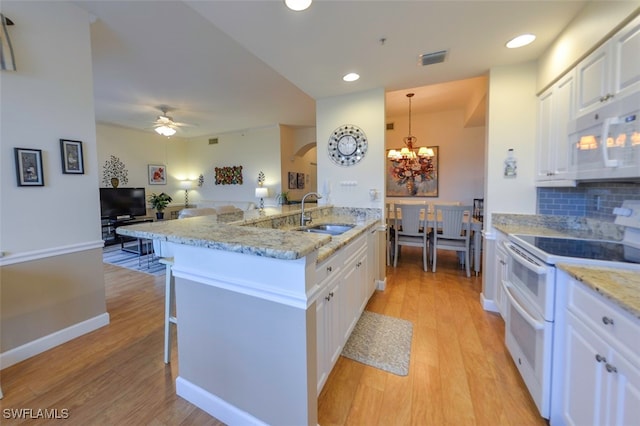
(35, 347)
(28, 256)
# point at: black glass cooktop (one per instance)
(584, 249)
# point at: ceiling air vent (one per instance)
(389, 126)
(213, 141)
(433, 58)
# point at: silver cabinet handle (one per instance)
(611, 369)
(600, 358)
(607, 321)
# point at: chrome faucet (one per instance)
(304, 219)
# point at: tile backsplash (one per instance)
(594, 200)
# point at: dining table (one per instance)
(431, 222)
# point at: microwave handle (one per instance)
(537, 325)
(606, 124)
(540, 270)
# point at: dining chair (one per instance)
(451, 231)
(409, 230)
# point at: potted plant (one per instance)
(160, 202)
(283, 198)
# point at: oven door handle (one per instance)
(537, 325)
(539, 270)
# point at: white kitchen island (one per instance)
(246, 306)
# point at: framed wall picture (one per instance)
(231, 175)
(157, 174)
(300, 180)
(29, 167)
(417, 178)
(293, 180)
(71, 153)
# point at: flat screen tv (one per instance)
(122, 202)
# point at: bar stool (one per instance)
(169, 301)
(165, 256)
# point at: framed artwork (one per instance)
(300, 180)
(29, 167)
(416, 179)
(229, 175)
(71, 154)
(293, 180)
(157, 174)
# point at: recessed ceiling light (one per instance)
(521, 40)
(297, 5)
(352, 76)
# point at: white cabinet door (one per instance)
(625, 391)
(322, 344)
(501, 273)
(625, 46)
(556, 109)
(593, 76)
(584, 375)
(545, 134)
(611, 72)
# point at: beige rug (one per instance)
(382, 342)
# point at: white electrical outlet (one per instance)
(629, 214)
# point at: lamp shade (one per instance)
(186, 184)
(262, 192)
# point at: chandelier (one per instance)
(411, 165)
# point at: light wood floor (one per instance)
(460, 372)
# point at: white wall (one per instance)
(365, 110)
(461, 153)
(41, 104)
(298, 153)
(254, 149)
(137, 149)
(51, 272)
(512, 117)
(590, 28)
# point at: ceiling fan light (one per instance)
(297, 5)
(165, 131)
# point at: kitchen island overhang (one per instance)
(247, 343)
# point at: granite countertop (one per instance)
(618, 285)
(269, 234)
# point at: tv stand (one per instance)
(109, 227)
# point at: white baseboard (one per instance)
(16, 355)
(213, 405)
(488, 305)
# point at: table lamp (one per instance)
(186, 185)
(261, 193)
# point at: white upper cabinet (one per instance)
(556, 109)
(612, 71)
(625, 46)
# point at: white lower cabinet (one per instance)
(599, 375)
(501, 273)
(344, 294)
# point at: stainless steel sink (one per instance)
(327, 228)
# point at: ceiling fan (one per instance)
(164, 124)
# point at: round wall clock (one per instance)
(347, 145)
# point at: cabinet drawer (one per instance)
(604, 317)
(327, 269)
